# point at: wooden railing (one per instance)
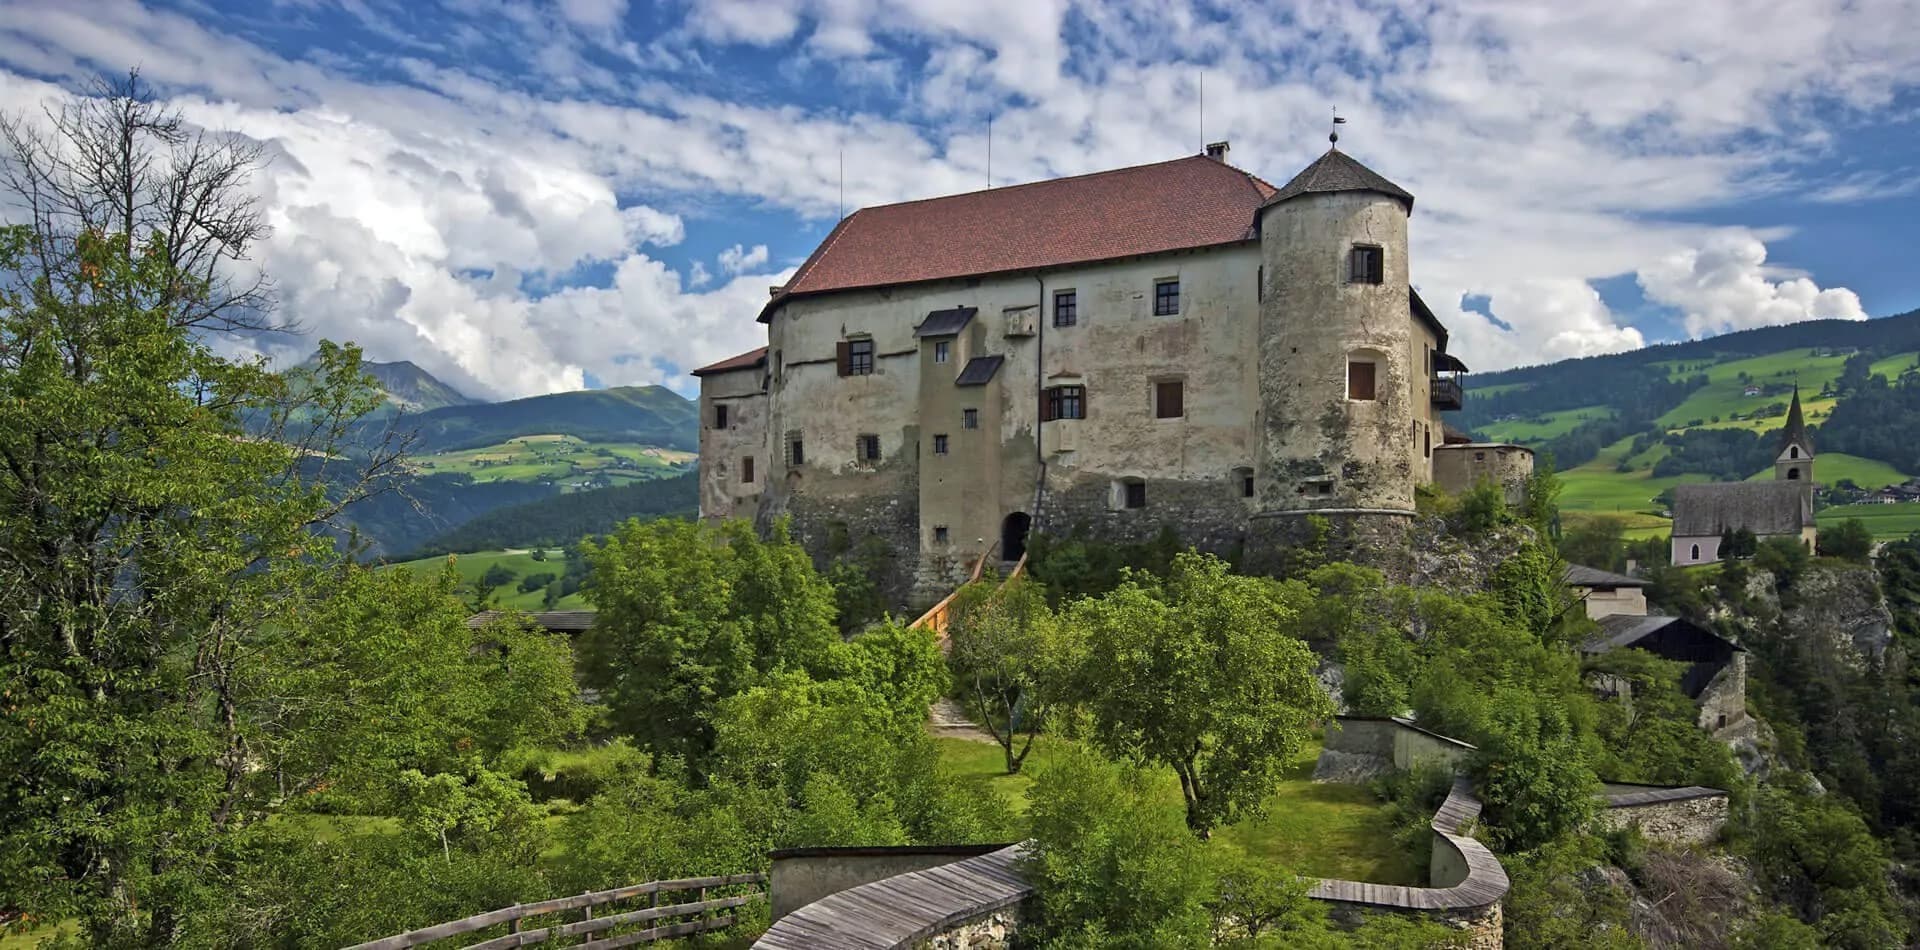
(662, 916)
(939, 614)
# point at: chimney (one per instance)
(1217, 151)
(774, 291)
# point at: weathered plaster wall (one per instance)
(724, 491)
(1321, 449)
(1457, 468)
(1620, 600)
(1696, 820)
(800, 876)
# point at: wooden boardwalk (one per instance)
(1484, 885)
(903, 910)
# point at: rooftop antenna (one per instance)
(1333, 137)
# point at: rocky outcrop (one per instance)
(1843, 606)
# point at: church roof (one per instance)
(1764, 508)
(1334, 172)
(1146, 209)
(1795, 432)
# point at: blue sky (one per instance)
(535, 197)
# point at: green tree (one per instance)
(1112, 864)
(691, 614)
(1006, 657)
(1596, 542)
(1202, 673)
(1532, 769)
(1850, 539)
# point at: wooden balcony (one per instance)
(1447, 394)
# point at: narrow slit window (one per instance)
(940, 445)
(797, 452)
(868, 448)
(720, 416)
(746, 470)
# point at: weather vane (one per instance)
(1338, 121)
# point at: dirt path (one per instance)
(946, 720)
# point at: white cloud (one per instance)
(594, 13)
(427, 214)
(736, 259)
(1726, 285)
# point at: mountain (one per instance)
(649, 415)
(1624, 428)
(412, 389)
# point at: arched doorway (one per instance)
(1013, 536)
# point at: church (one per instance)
(1782, 508)
(1179, 344)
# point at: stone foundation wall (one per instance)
(1208, 514)
(994, 932)
(1481, 926)
(1697, 820)
(1376, 539)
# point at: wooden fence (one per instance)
(706, 915)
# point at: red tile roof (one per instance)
(1147, 209)
(747, 360)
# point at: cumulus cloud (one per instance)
(443, 207)
(736, 259)
(1726, 285)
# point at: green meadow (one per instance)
(564, 459)
(521, 563)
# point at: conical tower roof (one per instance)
(1795, 432)
(1337, 171)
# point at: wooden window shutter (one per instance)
(1046, 405)
(843, 354)
(1359, 380)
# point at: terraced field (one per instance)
(565, 460)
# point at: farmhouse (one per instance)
(1782, 508)
(1176, 344)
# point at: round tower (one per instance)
(1338, 356)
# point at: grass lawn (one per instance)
(571, 462)
(521, 563)
(1597, 488)
(1887, 522)
(1723, 396)
(1894, 365)
(1830, 467)
(1319, 830)
(1544, 426)
(27, 940)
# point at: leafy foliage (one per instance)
(566, 519)
(1202, 672)
(1008, 659)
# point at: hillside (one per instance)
(646, 415)
(1623, 429)
(407, 387)
(564, 519)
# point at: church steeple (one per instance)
(1795, 460)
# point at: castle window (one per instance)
(720, 416)
(1426, 441)
(1360, 380)
(1169, 399)
(1166, 297)
(867, 448)
(940, 445)
(1128, 493)
(939, 534)
(746, 470)
(856, 356)
(1366, 264)
(1064, 402)
(1244, 476)
(942, 349)
(796, 453)
(970, 418)
(1066, 308)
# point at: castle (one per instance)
(1782, 508)
(1176, 344)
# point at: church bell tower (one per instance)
(1794, 463)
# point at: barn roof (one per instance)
(1580, 575)
(1625, 630)
(1146, 209)
(1764, 508)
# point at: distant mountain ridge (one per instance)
(650, 415)
(406, 386)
